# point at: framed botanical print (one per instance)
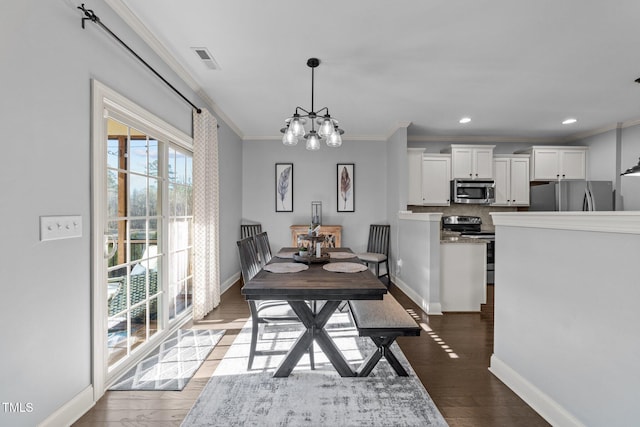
(346, 187)
(284, 187)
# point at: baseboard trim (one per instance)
(227, 284)
(544, 405)
(428, 307)
(71, 411)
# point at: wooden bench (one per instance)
(383, 321)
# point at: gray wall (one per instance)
(314, 178)
(566, 322)
(48, 61)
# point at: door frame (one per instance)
(105, 102)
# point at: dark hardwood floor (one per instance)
(450, 357)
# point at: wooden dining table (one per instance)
(314, 284)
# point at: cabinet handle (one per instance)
(563, 175)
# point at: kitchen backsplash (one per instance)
(462, 209)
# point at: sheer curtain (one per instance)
(206, 287)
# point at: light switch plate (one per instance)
(60, 227)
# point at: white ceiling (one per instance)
(518, 68)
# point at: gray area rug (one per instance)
(173, 363)
(320, 397)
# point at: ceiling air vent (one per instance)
(206, 57)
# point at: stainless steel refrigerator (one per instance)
(572, 196)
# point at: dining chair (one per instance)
(248, 230)
(263, 247)
(377, 248)
(263, 312)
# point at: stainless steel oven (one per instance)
(471, 226)
(479, 192)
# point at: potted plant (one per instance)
(303, 251)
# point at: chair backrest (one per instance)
(379, 239)
(264, 249)
(249, 262)
(248, 230)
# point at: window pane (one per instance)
(171, 165)
(113, 153)
(112, 193)
(137, 238)
(172, 200)
(189, 171)
(154, 207)
(137, 195)
(152, 230)
(138, 155)
(153, 157)
(181, 165)
(181, 200)
(137, 289)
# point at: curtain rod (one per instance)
(90, 16)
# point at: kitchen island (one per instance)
(566, 314)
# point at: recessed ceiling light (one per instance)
(465, 120)
(569, 121)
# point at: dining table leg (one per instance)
(315, 323)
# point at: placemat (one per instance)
(285, 254)
(285, 267)
(345, 267)
(342, 255)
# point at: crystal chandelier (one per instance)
(327, 126)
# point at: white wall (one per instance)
(567, 322)
(398, 186)
(48, 61)
(418, 246)
(314, 178)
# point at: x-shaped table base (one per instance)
(314, 322)
(383, 344)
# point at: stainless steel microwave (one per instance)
(479, 192)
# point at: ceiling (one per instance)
(517, 68)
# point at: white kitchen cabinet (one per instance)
(511, 174)
(436, 177)
(414, 166)
(554, 163)
(471, 161)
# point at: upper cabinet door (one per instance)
(519, 182)
(483, 163)
(414, 163)
(502, 170)
(462, 163)
(545, 164)
(573, 164)
(436, 176)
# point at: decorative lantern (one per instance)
(316, 213)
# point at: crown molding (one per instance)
(487, 139)
(167, 57)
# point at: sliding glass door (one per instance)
(142, 231)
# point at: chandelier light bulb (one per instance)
(334, 140)
(313, 143)
(289, 138)
(297, 126)
(326, 128)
